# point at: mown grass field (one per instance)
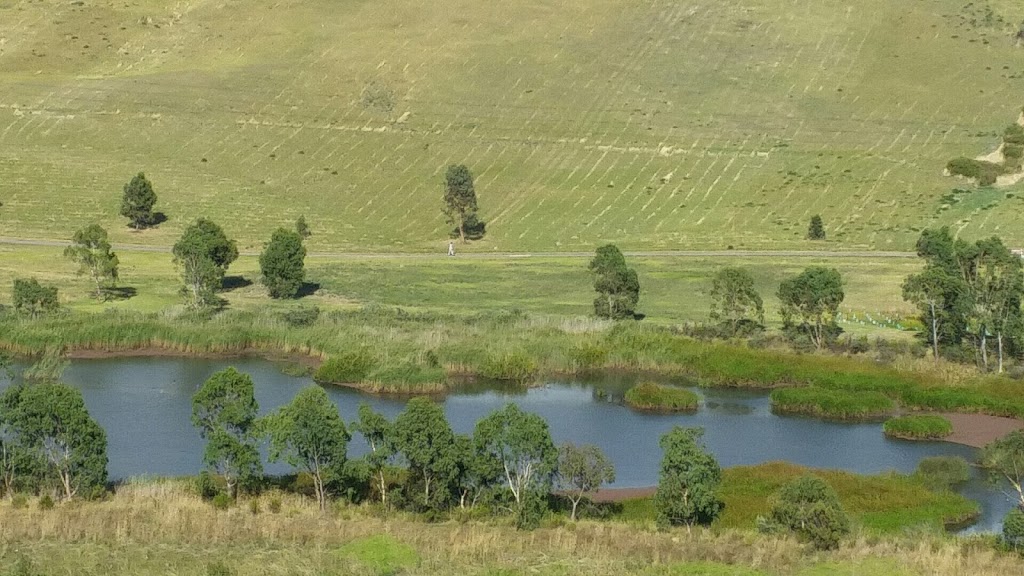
(674, 290)
(656, 124)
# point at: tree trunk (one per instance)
(65, 478)
(984, 348)
(383, 489)
(575, 503)
(462, 229)
(999, 340)
(935, 333)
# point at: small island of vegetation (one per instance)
(918, 427)
(651, 397)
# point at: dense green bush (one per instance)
(838, 404)
(985, 173)
(810, 508)
(651, 396)
(1014, 134)
(588, 356)
(302, 316)
(1013, 529)
(943, 472)
(46, 502)
(221, 501)
(918, 427)
(345, 368)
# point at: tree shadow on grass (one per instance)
(158, 219)
(120, 293)
(307, 289)
(230, 283)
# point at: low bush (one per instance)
(511, 366)
(222, 501)
(46, 502)
(1013, 530)
(943, 472)
(654, 397)
(835, 404)
(985, 173)
(345, 368)
(302, 316)
(918, 427)
(810, 508)
(1014, 134)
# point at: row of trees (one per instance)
(968, 293)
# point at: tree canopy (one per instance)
(282, 264)
(1004, 459)
(138, 201)
(688, 480)
(460, 205)
(49, 424)
(308, 433)
(422, 435)
(91, 250)
(518, 448)
(735, 300)
(204, 253)
(224, 409)
(32, 298)
(376, 430)
(811, 300)
(581, 470)
(809, 507)
(816, 229)
(617, 285)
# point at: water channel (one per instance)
(145, 406)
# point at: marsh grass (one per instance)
(653, 397)
(161, 527)
(918, 427)
(832, 404)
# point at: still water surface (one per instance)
(145, 406)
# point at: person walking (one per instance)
(451, 248)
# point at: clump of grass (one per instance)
(943, 472)
(382, 554)
(514, 366)
(833, 404)
(918, 427)
(657, 398)
(345, 368)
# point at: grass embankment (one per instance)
(651, 397)
(406, 352)
(918, 427)
(836, 404)
(161, 527)
(883, 504)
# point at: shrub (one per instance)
(838, 404)
(651, 396)
(512, 366)
(345, 368)
(302, 316)
(1013, 529)
(918, 427)
(1014, 134)
(530, 514)
(46, 502)
(19, 501)
(254, 507)
(221, 501)
(943, 472)
(274, 505)
(206, 485)
(985, 173)
(588, 356)
(810, 508)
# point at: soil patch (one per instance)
(977, 430)
(622, 494)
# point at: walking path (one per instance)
(506, 255)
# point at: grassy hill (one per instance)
(652, 123)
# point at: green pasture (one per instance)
(650, 123)
(673, 289)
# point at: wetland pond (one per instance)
(145, 406)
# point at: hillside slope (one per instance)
(659, 124)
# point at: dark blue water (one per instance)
(145, 406)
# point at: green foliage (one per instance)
(206, 485)
(835, 404)
(376, 430)
(204, 253)
(90, 249)
(986, 173)
(811, 301)
(302, 228)
(587, 356)
(654, 397)
(302, 316)
(517, 449)
(32, 298)
(816, 229)
(1014, 135)
(943, 472)
(46, 502)
(222, 501)
(1004, 459)
(688, 480)
(138, 201)
(50, 425)
(274, 505)
(809, 507)
(617, 285)
(224, 409)
(734, 299)
(1013, 529)
(582, 470)
(460, 200)
(422, 435)
(515, 366)
(918, 427)
(531, 510)
(282, 264)
(309, 434)
(346, 368)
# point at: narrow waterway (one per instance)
(145, 406)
